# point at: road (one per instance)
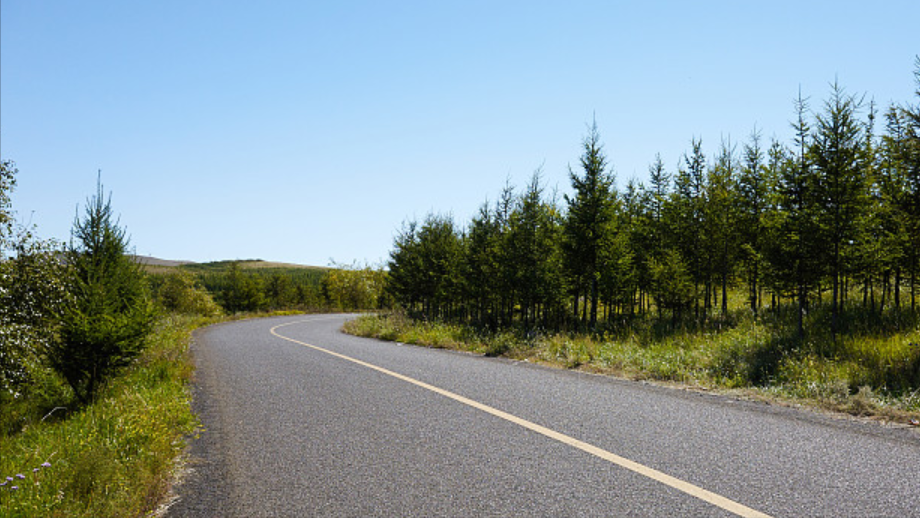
(301, 420)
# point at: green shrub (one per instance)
(179, 292)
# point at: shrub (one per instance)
(179, 292)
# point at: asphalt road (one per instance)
(301, 420)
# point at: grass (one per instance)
(112, 458)
(864, 372)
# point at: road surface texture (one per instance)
(301, 420)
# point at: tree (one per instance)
(32, 293)
(672, 287)
(721, 215)
(106, 325)
(533, 234)
(242, 292)
(590, 211)
(909, 154)
(481, 267)
(795, 249)
(7, 183)
(350, 287)
(753, 186)
(837, 152)
(687, 219)
(179, 292)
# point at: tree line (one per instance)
(830, 219)
(81, 311)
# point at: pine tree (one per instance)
(106, 326)
(837, 152)
(590, 211)
(752, 189)
(721, 216)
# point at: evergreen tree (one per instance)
(795, 253)
(752, 190)
(404, 266)
(481, 268)
(909, 155)
(590, 211)
(106, 326)
(533, 232)
(721, 215)
(242, 292)
(837, 152)
(688, 203)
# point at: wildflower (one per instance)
(14, 488)
(46, 464)
(20, 476)
(9, 479)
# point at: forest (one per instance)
(823, 230)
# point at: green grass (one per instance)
(114, 457)
(863, 373)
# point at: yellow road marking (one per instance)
(664, 478)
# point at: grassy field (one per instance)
(112, 458)
(874, 374)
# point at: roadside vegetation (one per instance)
(94, 357)
(792, 268)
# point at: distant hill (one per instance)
(153, 261)
(157, 264)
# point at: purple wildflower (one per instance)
(9, 479)
(20, 476)
(46, 464)
(5, 482)
(35, 470)
(14, 488)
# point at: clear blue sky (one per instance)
(303, 131)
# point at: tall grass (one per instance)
(111, 458)
(867, 370)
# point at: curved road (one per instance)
(301, 420)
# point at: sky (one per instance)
(310, 132)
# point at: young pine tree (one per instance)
(106, 326)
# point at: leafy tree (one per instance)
(106, 325)
(7, 184)
(350, 287)
(32, 293)
(179, 292)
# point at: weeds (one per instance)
(862, 373)
(113, 457)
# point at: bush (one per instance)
(179, 292)
(31, 295)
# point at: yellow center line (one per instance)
(668, 480)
